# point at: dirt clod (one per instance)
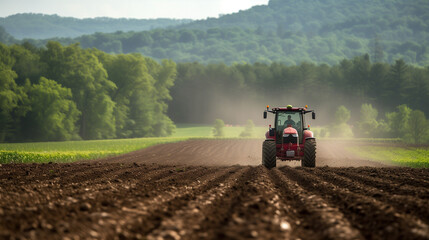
(85, 207)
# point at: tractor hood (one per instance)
(290, 136)
(290, 130)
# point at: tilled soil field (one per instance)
(213, 190)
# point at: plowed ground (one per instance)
(213, 190)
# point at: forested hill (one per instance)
(42, 26)
(329, 29)
(285, 31)
(402, 19)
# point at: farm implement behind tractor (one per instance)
(290, 139)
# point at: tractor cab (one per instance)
(289, 136)
(291, 120)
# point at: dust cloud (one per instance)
(333, 153)
(238, 108)
(237, 152)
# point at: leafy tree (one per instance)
(218, 128)
(141, 94)
(359, 76)
(81, 71)
(398, 80)
(164, 75)
(418, 93)
(129, 73)
(27, 63)
(367, 125)
(398, 121)
(418, 126)
(378, 82)
(53, 114)
(12, 96)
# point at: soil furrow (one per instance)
(141, 216)
(56, 190)
(258, 211)
(113, 196)
(361, 209)
(401, 176)
(313, 212)
(213, 189)
(384, 184)
(406, 204)
(195, 219)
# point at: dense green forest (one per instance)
(66, 92)
(284, 31)
(365, 61)
(42, 26)
(205, 92)
(63, 93)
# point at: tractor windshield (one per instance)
(288, 118)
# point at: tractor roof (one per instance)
(297, 109)
(289, 108)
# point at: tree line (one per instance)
(403, 123)
(206, 92)
(235, 45)
(66, 92)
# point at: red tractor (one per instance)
(290, 139)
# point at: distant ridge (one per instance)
(42, 26)
(284, 31)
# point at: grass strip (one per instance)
(401, 156)
(43, 152)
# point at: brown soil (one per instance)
(213, 189)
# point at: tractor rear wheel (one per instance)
(269, 154)
(309, 159)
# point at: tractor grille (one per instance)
(290, 138)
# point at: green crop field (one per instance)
(70, 151)
(195, 130)
(398, 155)
(43, 152)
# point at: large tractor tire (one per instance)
(269, 154)
(309, 159)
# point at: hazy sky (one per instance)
(194, 9)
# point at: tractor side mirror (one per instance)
(313, 115)
(265, 114)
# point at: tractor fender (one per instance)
(270, 135)
(307, 134)
(308, 139)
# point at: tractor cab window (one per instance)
(285, 119)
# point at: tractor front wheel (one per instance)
(309, 159)
(269, 154)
